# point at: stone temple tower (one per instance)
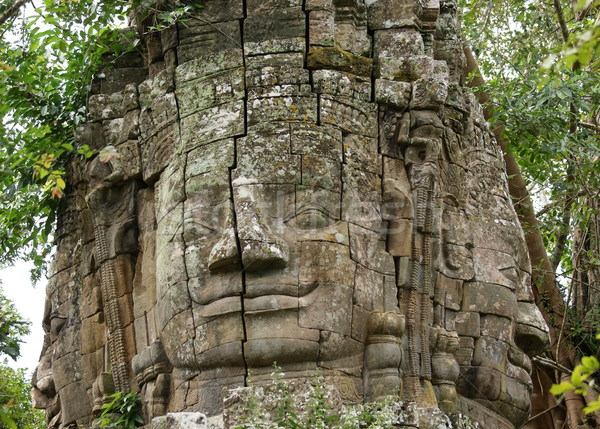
(299, 181)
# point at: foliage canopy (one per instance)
(48, 56)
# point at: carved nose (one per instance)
(531, 333)
(262, 255)
(261, 248)
(224, 255)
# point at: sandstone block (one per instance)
(66, 370)
(490, 352)
(468, 324)
(334, 58)
(276, 75)
(341, 83)
(349, 115)
(325, 140)
(222, 330)
(340, 352)
(384, 14)
(198, 38)
(210, 91)
(218, 155)
(391, 47)
(361, 153)
(275, 31)
(256, 6)
(321, 28)
(102, 106)
(218, 10)
(335, 297)
(219, 122)
(321, 172)
(93, 333)
(400, 237)
(205, 65)
(429, 93)
(368, 289)
(500, 328)
(396, 94)
(361, 198)
(74, 402)
(294, 108)
(373, 254)
(259, 352)
(267, 317)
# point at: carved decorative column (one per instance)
(153, 375)
(445, 368)
(111, 202)
(383, 355)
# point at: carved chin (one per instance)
(503, 395)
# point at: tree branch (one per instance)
(561, 20)
(8, 13)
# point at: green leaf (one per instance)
(592, 407)
(559, 389)
(590, 364)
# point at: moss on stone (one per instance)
(337, 59)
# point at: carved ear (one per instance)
(126, 238)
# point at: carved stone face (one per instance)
(273, 264)
(499, 325)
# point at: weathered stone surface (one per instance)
(294, 108)
(468, 323)
(335, 82)
(337, 59)
(393, 48)
(180, 421)
(361, 198)
(349, 115)
(219, 122)
(493, 300)
(210, 91)
(396, 94)
(384, 14)
(199, 38)
(115, 105)
(274, 31)
(325, 141)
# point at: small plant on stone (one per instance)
(124, 411)
(319, 413)
(253, 414)
(277, 406)
(286, 412)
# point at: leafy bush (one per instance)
(124, 411)
(581, 381)
(16, 411)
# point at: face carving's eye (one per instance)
(313, 217)
(511, 273)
